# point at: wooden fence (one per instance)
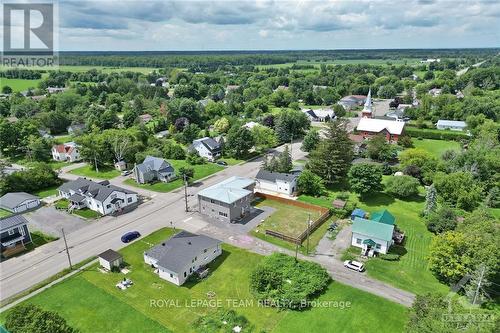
(325, 214)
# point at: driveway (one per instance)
(50, 221)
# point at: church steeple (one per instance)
(367, 109)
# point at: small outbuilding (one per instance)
(358, 213)
(18, 202)
(110, 259)
(340, 204)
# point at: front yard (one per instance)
(104, 172)
(91, 302)
(4, 213)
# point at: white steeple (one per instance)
(368, 103)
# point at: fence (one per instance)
(325, 214)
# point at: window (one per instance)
(185, 274)
(98, 206)
(190, 270)
(108, 206)
(358, 240)
(212, 201)
(205, 251)
(195, 258)
(11, 232)
(378, 246)
(223, 214)
(113, 196)
(129, 200)
(171, 275)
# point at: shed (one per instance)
(358, 213)
(110, 259)
(337, 203)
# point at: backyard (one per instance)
(104, 172)
(410, 272)
(436, 147)
(200, 171)
(77, 298)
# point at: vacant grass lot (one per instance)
(436, 147)
(19, 85)
(411, 271)
(104, 172)
(91, 302)
(47, 192)
(4, 213)
(200, 171)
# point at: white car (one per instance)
(355, 265)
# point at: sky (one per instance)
(276, 25)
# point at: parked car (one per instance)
(355, 265)
(221, 163)
(126, 172)
(332, 226)
(130, 236)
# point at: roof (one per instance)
(358, 212)
(178, 251)
(372, 229)
(451, 123)
(12, 221)
(110, 255)
(229, 190)
(76, 198)
(383, 217)
(320, 113)
(356, 98)
(378, 125)
(86, 187)
(65, 147)
(14, 199)
(154, 163)
(337, 203)
(209, 143)
(273, 176)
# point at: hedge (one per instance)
(435, 134)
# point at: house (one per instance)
(367, 108)
(68, 151)
(319, 115)
(383, 217)
(391, 129)
(45, 134)
(18, 202)
(162, 134)
(230, 88)
(430, 60)
(276, 182)
(207, 148)
(178, 257)
(145, 118)
(434, 92)
(371, 236)
(316, 88)
(281, 87)
(121, 165)
(110, 259)
(204, 102)
(228, 200)
(56, 90)
(14, 235)
(358, 213)
(76, 129)
(153, 169)
(453, 125)
(352, 101)
(101, 197)
(251, 124)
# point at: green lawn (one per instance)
(38, 238)
(47, 192)
(90, 302)
(86, 213)
(436, 147)
(200, 171)
(62, 204)
(4, 213)
(19, 85)
(411, 271)
(104, 172)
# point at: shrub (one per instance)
(444, 219)
(389, 256)
(434, 134)
(402, 186)
(281, 281)
(30, 318)
(222, 321)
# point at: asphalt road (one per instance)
(162, 210)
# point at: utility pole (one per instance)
(296, 251)
(95, 162)
(478, 284)
(67, 251)
(185, 192)
(291, 147)
(308, 225)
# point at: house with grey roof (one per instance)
(101, 197)
(227, 201)
(153, 169)
(454, 125)
(276, 182)
(76, 129)
(14, 234)
(18, 202)
(207, 148)
(178, 257)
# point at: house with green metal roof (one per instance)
(383, 217)
(372, 235)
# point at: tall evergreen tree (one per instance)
(332, 158)
(430, 200)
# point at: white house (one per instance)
(454, 125)
(207, 148)
(319, 115)
(68, 151)
(371, 235)
(101, 197)
(178, 257)
(18, 202)
(276, 182)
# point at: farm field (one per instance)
(436, 147)
(19, 85)
(317, 64)
(77, 298)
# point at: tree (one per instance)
(444, 219)
(173, 150)
(264, 137)
(284, 160)
(379, 149)
(239, 141)
(475, 288)
(222, 125)
(187, 172)
(290, 124)
(332, 157)
(430, 200)
(459, 189)
(310, 184)
(29, 318)
(194, 158)
(448, 258)
(365, 178)
(419, 159)
(6, 90)
(402, 186)
(387, 91)
(37, 149)
(39, 176)
(311, 140)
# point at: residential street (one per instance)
(164, 210)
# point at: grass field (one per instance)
(200, 171)
(436, 147)
(4, 213)
(410, 272)
(86, 213)
(317, 64)
(18, 85)
(90, 302)
(104, 172)
(47, 192)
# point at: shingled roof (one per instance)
(99, 191)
